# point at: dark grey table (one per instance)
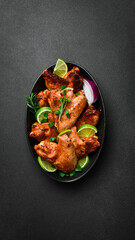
(100, 36)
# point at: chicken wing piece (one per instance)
(42, 99)
(83, 146)
(47, 150)
(71, 79)
(66, 160)
(90, 116)
(61, 155)
(42, 131)
(74, 107)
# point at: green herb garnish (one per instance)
(44, 120)
(77, 94)
(72, 174)
(53, 139)
(67, 114)
(49, 89)
(64, 92)
(78, 169)
(63, 87)
(45, 114)
(62, 174)
(51, 124)
(57, 113)
(32, 102)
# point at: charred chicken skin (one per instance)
(61, 155)
(69, 148)
(90, 116)
(74, 107)
(83, 146)
(42, 131)
(71, 79)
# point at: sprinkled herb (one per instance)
(64, 92)
(51, 124)
(32, 102)
(67, 114)
(78, 169)
(62, 174)
(57, 113)
(63, 87)
(53, 139)
(45, 114)
(77, 94)
(44, 120)
(72, 174)
(49, 89)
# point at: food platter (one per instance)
(99, 104)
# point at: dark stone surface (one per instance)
(100, 36)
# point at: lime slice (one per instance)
(68, 131)
(41, 114)
(86, 130)
(66, 89)
(48, 167)
(60, 68)
(83, 162)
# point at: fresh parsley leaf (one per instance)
(51, 124)
(67, 114)
(77, 94)
(53, 139)
(63, 87)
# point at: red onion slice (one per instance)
(90, 90)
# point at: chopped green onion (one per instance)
(45, 114)
(51, 124)
(49, 89)
(77, 94)
(63, 87)
(44, 120)
(64, 92)
(78, 169)
(72, 174)
(57, 113)
(62, 174)
(53, 139)
(67, 114)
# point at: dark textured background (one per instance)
(100, 36)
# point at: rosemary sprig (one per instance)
(63, 102)
(32, 102)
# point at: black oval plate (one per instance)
(39, 86)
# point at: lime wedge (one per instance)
(48, 167)
(86, 130)
(83, 162)
(60, 68)
(66, 89)
(41, 114)
(68, 131)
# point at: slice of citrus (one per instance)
(66, 89)
(86, 130)
(68, 131)
(41, 114)
(60, 68)
(48, 167)
(83, 162)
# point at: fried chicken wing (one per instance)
(74, 107)
(66, 160)
(83, 146)
(47, 150)
(61, 155)
(71, 79)
(42, 99)
(90, 116)
(42, 131)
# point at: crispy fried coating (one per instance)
(90, 116)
